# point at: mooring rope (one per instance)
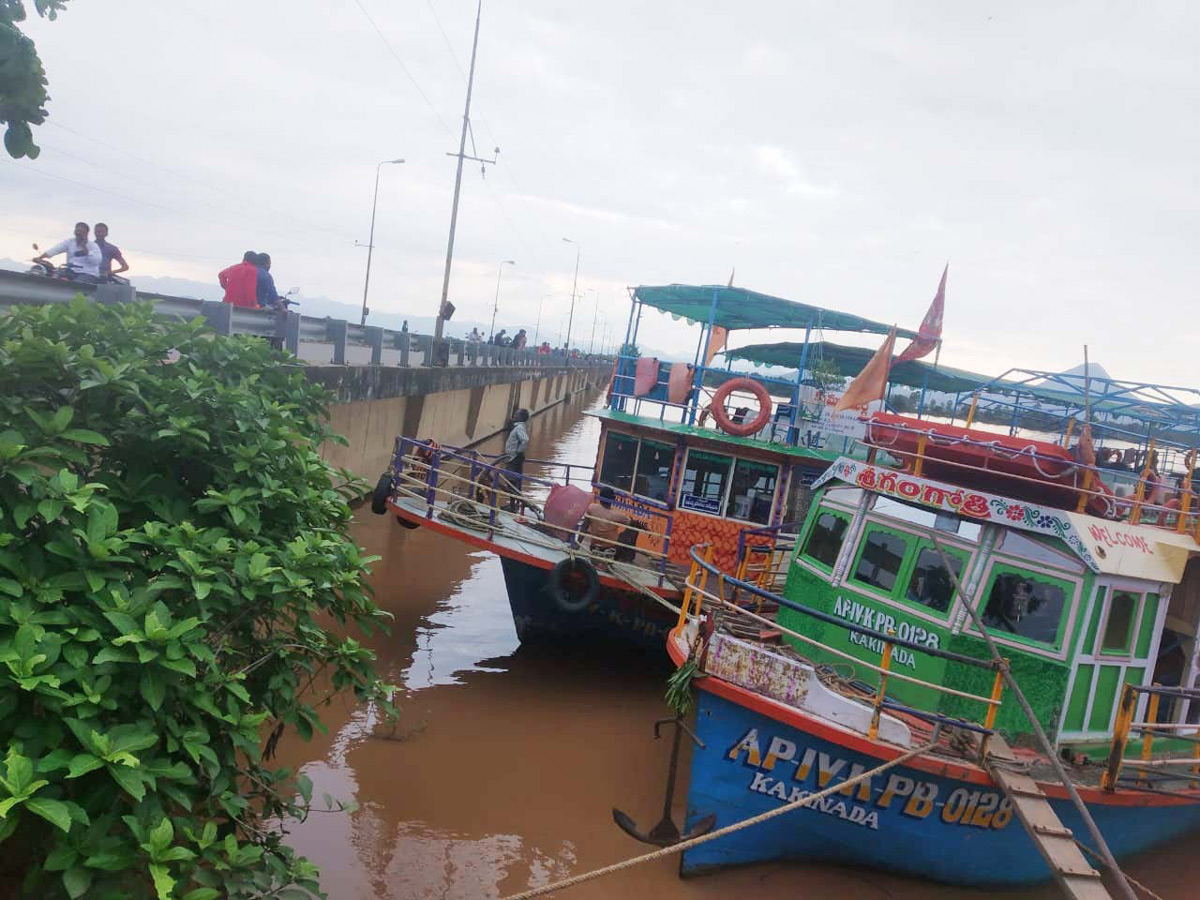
(720, 832)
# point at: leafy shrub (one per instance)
(171, 544)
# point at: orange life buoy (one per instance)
(722, 417)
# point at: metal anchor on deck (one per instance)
(666, 832)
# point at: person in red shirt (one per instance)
(241, 282)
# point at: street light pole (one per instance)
(595, 314)
(496, 305)
(371, 239)
(574, 284)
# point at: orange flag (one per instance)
(871, 382)
(930, 331)
(716, 343)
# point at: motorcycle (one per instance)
(47, 269)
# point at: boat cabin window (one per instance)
(1027, 605)
(752, 493)
(1118, 630)
(620, 455)
(637, 466)
(704, 480)
(654, 465)
(825, 540)
(931, 585)
(928, 518)
(880, 559)
(1033, 549)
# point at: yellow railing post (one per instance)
(1067, 433)
(1084, 492)
(1136, 517)
(1116, 753)
(886, 665)
(1185, 502)
(971, 414)
(685, 606)
(922, 442)
(989, 721)
(1148, 736)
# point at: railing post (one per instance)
(402, 341)
(375, 342)
(922, 442)
(1066, 441)
(462, 353)
(989, 720)
(685, 606)
(1148, 734)
(288, 331)
(1116, 754)
(1085, 491)
(886, 665)
(432, 480)
(219, 316)
(335, 331)
(1135, 517)
(971, 414)
(1185, 502)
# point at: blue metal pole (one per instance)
(793, 432)
(921, 401)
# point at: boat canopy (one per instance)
(850, 361)
(735, 307)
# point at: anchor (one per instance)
(666, 833)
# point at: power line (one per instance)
(404, 68)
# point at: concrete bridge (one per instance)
(385, 381)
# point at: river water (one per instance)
(507, 762)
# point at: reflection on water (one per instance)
(507, 761)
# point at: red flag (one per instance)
(871, 383)
(930, 331)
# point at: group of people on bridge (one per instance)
(250, 283)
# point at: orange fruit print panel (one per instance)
(690, 529)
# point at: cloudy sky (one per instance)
(838, 154)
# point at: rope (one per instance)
(1137, 884)
(720, 832)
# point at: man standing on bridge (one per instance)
(241, 281)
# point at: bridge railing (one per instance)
(309, 337)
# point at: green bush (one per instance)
(172, 547)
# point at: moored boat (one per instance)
(866, 635)
(681, 467)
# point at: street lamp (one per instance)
(537, 328)
(496, 305)
(595, 315)
(574, 284)
(371, 239)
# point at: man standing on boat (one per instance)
(514, 449)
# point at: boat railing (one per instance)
(763, 554)
(1176, 513)
(1150, 729)
(785, 425)
(697, 593)
(436, 477)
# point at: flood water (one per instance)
(506, 763)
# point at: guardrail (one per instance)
(308, 337)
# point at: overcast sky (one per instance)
(837, 154)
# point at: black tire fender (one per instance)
(379, 497)
(411, 526)
(562, 585)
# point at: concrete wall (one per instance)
(456, 406)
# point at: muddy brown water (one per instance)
(507, 761)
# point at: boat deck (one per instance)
(521, 536)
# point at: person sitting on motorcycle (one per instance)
(265, 293)
(108, 252)
(83, 256)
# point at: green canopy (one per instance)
(739, 308)
(850, 361)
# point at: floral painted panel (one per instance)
(758, 669)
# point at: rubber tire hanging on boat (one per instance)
(722, 417)
(379, 497)
(559, 584)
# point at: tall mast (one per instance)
(462, 155)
